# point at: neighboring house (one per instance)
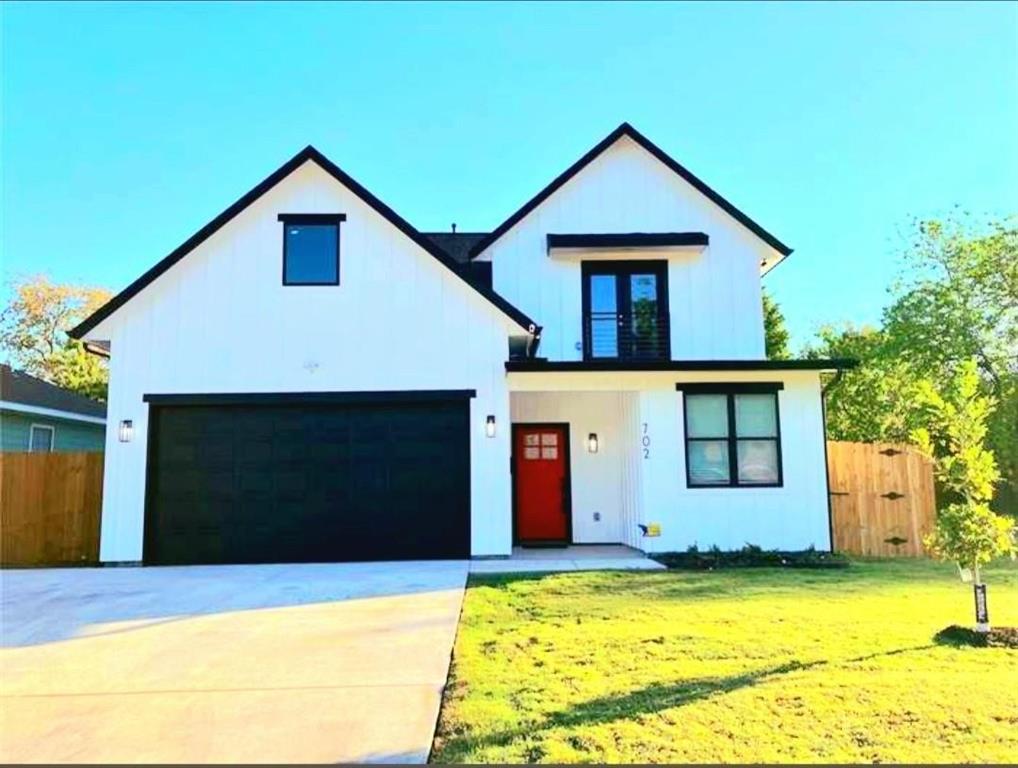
(309, 377)
(38, 416)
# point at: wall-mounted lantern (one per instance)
(489, 426)
(126, 430)
(592, 442)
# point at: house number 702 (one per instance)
(645, 442)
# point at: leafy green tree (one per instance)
(958, 300)
(775, 332)
(73, 367)
(33, 334)
(876, 401)
(967, 532)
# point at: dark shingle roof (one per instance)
(456, 244)
(19, 387)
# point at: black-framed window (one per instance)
(733, 435)
(625, 310)
(311, 248)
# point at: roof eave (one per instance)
(578, 366)
(625, 129)
(309, 153)
(42, 411)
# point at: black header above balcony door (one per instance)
(625, 310)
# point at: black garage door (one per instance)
(279, 480)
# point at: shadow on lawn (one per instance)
(670, 584)
(645, 701)
(661, 585)
(649, 700)
(661, 696)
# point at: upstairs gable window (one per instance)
(311, 248)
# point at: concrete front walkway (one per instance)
(581, 557)
(280, 664)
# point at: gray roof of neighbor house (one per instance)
(19, 387)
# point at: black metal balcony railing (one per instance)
(616, 336)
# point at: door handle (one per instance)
(565, 496)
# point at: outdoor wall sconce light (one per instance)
(592, 442)
(489, 426)
(126, 431)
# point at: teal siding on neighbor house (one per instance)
(68, 436)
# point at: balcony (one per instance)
(640, 335)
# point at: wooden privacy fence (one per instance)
(882, 498)
(49, 508)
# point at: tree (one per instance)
(33, 332)
(875, 402)
(958, 300)
(775, 333)
(967, 532)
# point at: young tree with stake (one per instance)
(967, 532)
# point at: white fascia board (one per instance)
(35, 410)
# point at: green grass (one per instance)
(758, 665)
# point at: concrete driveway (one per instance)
(273, 663)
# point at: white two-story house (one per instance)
(310, 378)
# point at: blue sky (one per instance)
(127, 127)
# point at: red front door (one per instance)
(541, 459)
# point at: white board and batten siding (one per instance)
(596, 478)
(220, 321)
(641, 475)
(714, 294)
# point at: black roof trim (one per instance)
(742, 387)
(306, 154)
(313, 398)
(627, 130)
(550, 366)
(311, 218)
(628, 240)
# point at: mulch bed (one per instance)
(749, 557)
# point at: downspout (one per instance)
(535, 341)
(827, 467)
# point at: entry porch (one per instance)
(591, 557)
(627, 475)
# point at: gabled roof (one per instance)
(18, 387)
(309, 153)
(627, 130)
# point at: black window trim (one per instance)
(620, 268)
(730, 390)
(312, 218)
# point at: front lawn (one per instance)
(758, 665)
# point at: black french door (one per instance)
(625, 310)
